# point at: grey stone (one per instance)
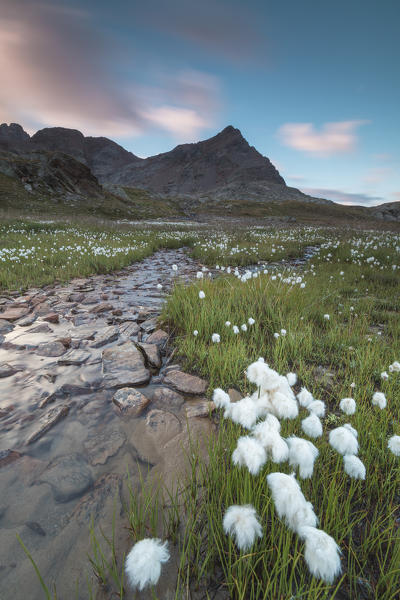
(74, 357)
(100, 308)
(149, 325)
(159, 337)
(130, 401)
(162, 426)
(103, 445)
(8, 456)
(165, 398)
(105, 336)
(199, 408)
(152, 354)
(68, 476)
(98, 503)
(5, 326)
(188, 384)
(47, 421)
(123, 366)
(13, 314)
(7, 370)
(129, 329)
(26, 321)
(51, 349)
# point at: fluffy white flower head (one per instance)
(291, 378)
(394, 445)
(395, 367)
(143, 563)
(322, 554)
(201, 295)
(289, 501)
(195, 333)
(348, 406)
(235, 329)
(243, 412)
(302, 454)
(343, 441)
(305, 397)
(312, 426)
(326, 317)
(242, 523)
(256, 371)
(250, 321)
(379, 399)
(243, 327)
(216, 338)
(283, 406)
(317, 407)
(227, 323)
(353, 466)
(384, 375)
(250, 453)
(220, 398)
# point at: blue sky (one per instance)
(312, 85)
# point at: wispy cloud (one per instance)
(344, 197)
(333, 138)
(58, 69)
(377, 175)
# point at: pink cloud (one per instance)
(377, 175)
(333, 138)
(344, 197)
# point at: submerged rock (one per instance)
(188, 384)
(47, 421)
(123, 366)
(68, 476)
(130, 401)
(101, 446)
(51, 349)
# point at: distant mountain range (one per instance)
(63, 163)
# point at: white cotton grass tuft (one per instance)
(249, 453)
(242, 523)
(348, 406)
(195, 333)
(268, 436)
(395, 367)
(289, 501)
(302, 454)
(343, 441)
(317, 407)
(379, 399)
(201, 295)
(322, 554)
(354, 467)
(283, 406)
(243, 412)
(394, 445)
(312, 426)
(291, 379)
(220, 398)
(384, 375)
(351, 429)
(215, 338)
(143, 563)
(305, 397)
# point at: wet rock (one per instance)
(103, 445)
(93, 506)
(74, 357)
(90, 300)
(52, 317)
(4, 412)
(35, 527)
(5, 326)
(149, 325)
(188, 384)
(151, 353)
(169, 368)
(129, 329)
(117, 312)
(123, 366)
(162, 426)
(68, 476)
(42, 328)
(199, 408)
(101, 308)
(105, 336)
(144, 313)
(13, 314)
(26, 321)
(51, 349)
(47, 421)
(165, 398)
(83, 331)
(76, 297)
(8, 456)
(7, 370)
(130, 401)
(159, 337)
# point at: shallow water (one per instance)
(53, 487)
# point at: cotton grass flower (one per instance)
(195, 333)
(283, 406)
(289, 501)
(249, 453)
(353, 466)
(384, 375)
(291, 379)
(242, 523)
(256, 371)
(276, 335)
(227, 323)
(220, 398)
(305, 397)
(159, 286)
(322, 554)
(317, 407)
(235, 329)
(395, 367)
(201, 295)
(243, 412)
(343, 441)
(302, 454)
(394, 445)
(175, 267)
(243, 327)
(348, 406)
(326, 317)
(143, 563)
(379, 399)
(250, 321)
(269, 437)
(312, 426)
(199, 275)
(216, 338)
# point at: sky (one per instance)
(313, 85)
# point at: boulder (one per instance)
(188, 384)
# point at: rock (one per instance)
(162, 426)
(117, 312)
(42, 328)
(35, 527)
(76, 297)
(188, 384)
(68, 476)
(123, 366)
(74, 357)
(47, 421)
(159, 337)
(130, 401)
(7, 370)
(51, 349)
(167, 399)
(129, 329)
(13, 314)
(144, 313)
(26, 321)
(93, 506)
(52, 317)
(199, 408)
(152, 354)
(5, 326)
(8, 456)
(103, 445)
(100, 308)
(105, 336)
(169, 368)
(149, 325)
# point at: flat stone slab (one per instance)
(103, 445)
(152, 354)
(159, 337)
(47, 421)
(68, 476)
(100, 308)
(5, 326)
(105, 336)
(51, 349)
(26, 321)
(98, 503)
(129, 329)
(74, 357)
(7, 370)
(130, 401)
(13, 314)
(188, 384)
(8, 456)
(123, 366)
(165, 398)
(162, 426)
(199, 408)
(52, 317)
(149, 325)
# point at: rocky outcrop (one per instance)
(390, 211)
